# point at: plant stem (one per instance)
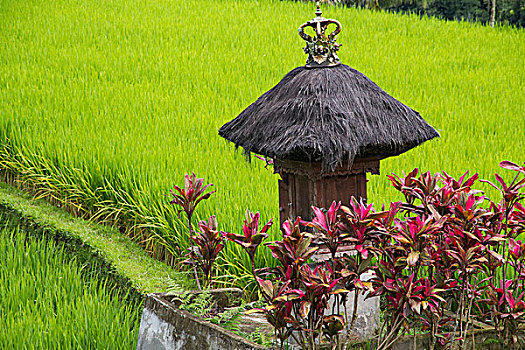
(312, 340)
(252, 260)
(190, 228)
(392, 333)
(354, 311)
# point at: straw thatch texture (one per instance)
(328, 115)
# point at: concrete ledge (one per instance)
(165, 327)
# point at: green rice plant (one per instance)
(105, 105)
(47, 303)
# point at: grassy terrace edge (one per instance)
(115, 255)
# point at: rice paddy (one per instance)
(107, 104)
(47, 302)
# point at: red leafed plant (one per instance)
(452, 253)
(193, 193)
(251, 237)
(187, 198)
(444, 258)
(208, 244)
(296, 295)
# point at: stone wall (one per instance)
(165, 327)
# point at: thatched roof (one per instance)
(329, 115)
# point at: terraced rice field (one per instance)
(107, 104)
(47, 302)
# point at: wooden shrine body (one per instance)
(303, 185)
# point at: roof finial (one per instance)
(318, 12)
(321, 49)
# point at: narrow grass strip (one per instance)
(119, 258)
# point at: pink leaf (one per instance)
(333, 210)
(267, 226)
(501, 181)
(512, 166)
(287, 228)
(319, 217)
